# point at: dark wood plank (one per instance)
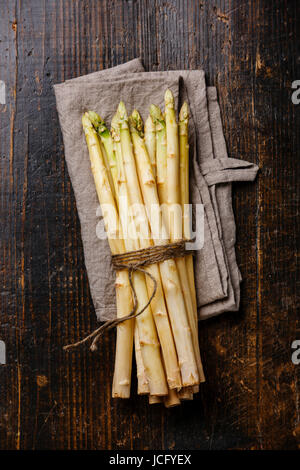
(274, 115)
(52, 400)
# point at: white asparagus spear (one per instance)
(172, 399)
(150, 142)
(184, 199)
(123, 358)
(169, 276)
(116, 179)
(173, 192)
(161, 157)
(158, 306)
(148, 338)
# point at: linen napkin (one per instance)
(217, 276)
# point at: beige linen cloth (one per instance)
(217, 275)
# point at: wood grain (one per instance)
(53, 400)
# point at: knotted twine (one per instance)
(135, 261)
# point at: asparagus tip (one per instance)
(86, 122)
(149, 123)
(97, 122)
(169, 98)
(155, 113)
(93, 116)
(115, 127)
(136, 122)
(115, 121)
(122, 111)
(136, 115)
(184, 112)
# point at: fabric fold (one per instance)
(227, 170)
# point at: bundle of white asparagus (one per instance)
(142, 176)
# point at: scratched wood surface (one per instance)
(53, 400)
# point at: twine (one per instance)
(134, 261)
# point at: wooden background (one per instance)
(53, 400)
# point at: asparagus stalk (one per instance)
(98, 124)
(146, 328)
(161, 159)
(184, 192)
(139, 282)
(184, 164)
(158, 304)
(184, 197)
(124, 342)
(161, 175)
(161, 151)
(148, 338)
(115, 177)
(172, 399)
(169, 275)
(186, 393)
(123, 358)
(173, 157)
(131, 245)
(143, 386)
(150, 142)
(153, 400)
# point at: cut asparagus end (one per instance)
(169, 99)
